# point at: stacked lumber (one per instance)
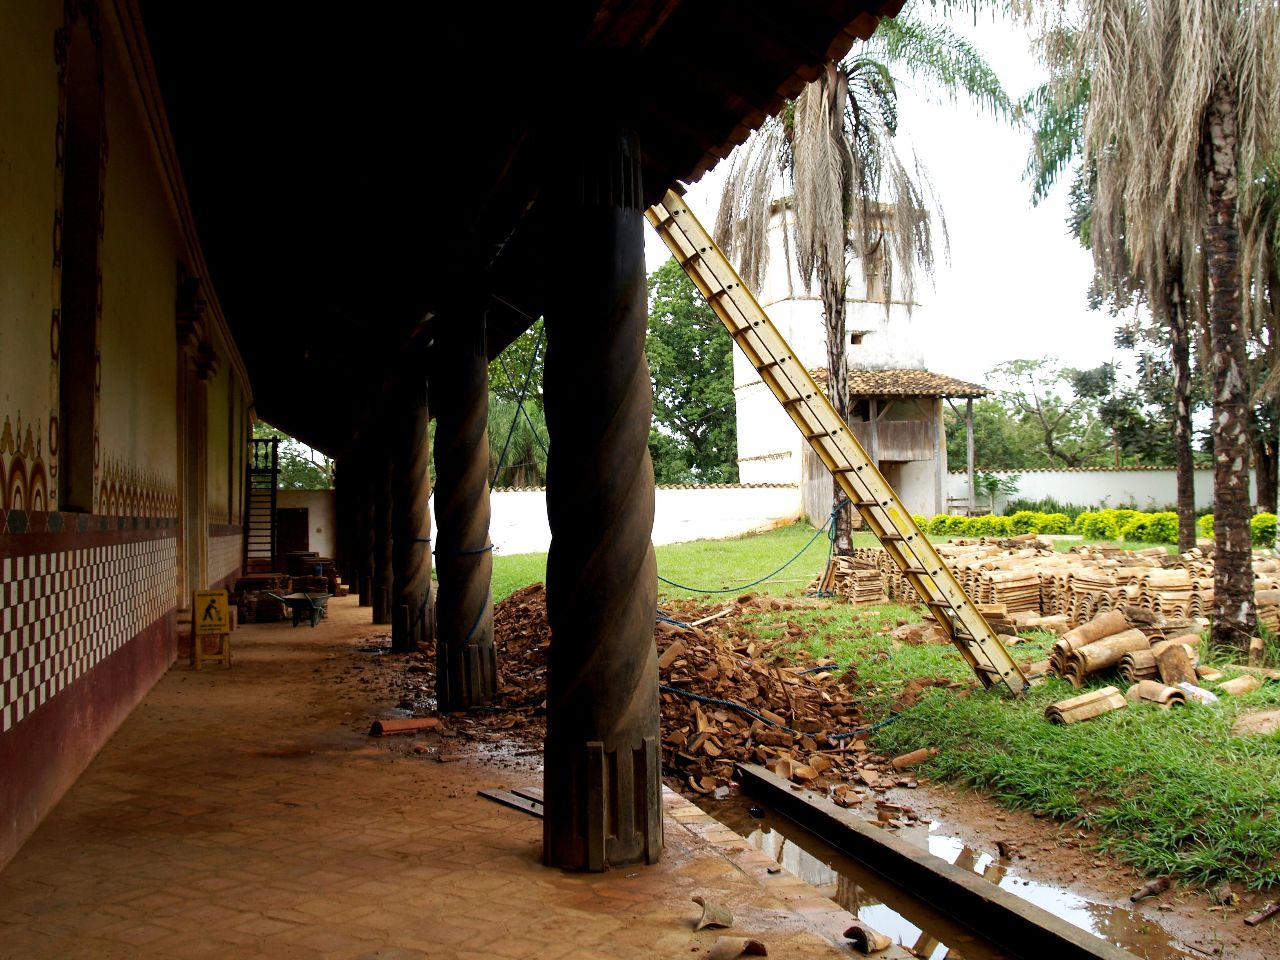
(259, 606)
(998, 618)
(253, 600)
(1086, 706)
(852, 579)
(278, 582)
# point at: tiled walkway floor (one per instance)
(244, 813)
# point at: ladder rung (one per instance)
(822, 426)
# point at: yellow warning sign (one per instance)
(209, 613)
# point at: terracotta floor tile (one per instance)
(293, 834)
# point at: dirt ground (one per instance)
(1041, 850)
(1051, 853)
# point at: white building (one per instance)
(895, 404)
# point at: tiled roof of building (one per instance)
(904, 383)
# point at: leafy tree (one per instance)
(518, 456)
(694, 436)
(522, 358)
(301, 467)
(1001, 440)
(852, 197)
(1044, 396)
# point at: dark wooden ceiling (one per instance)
(362, 172)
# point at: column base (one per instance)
(605, 809)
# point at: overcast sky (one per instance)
(1016, 283)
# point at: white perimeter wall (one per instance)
(519, 523)
(1099, 488)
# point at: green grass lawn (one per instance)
(1167, 791)
(708, 564)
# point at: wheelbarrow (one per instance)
(304, 605)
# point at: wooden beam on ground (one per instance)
(1021, 929)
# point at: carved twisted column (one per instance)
(411, 521)
(602, 778)
(362, 512)
(366, 515)
(466, 667)
(380, 475)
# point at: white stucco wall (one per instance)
(1147, 489)
(519, 523)
(321, 519)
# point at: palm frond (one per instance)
(934, 52)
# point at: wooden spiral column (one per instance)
(366, 537)
(411, 620)
(466, 668)
(380, 486)
(602, 778)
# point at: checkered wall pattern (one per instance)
(62, 613)
(224, 556)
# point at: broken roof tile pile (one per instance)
(788, 715)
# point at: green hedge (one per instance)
(1109, 524)
(1262, 528)
(945, 525)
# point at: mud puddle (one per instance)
(915, 925)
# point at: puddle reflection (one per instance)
(929, 934)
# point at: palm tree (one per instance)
(1129, 264)
(1182, 98)
(832, 150)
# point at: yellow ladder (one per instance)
(833, 441)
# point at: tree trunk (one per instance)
(1263, 445)
(1233, 605)
(1180, 354)
(831, 281)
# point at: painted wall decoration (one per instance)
(225, 553)
(63, 612)
(86, 15)
(24, 474)
(125, 491)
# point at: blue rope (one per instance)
(716, 701)
(521, 409)
(664, 617)
(524, 387)
(768, 576)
